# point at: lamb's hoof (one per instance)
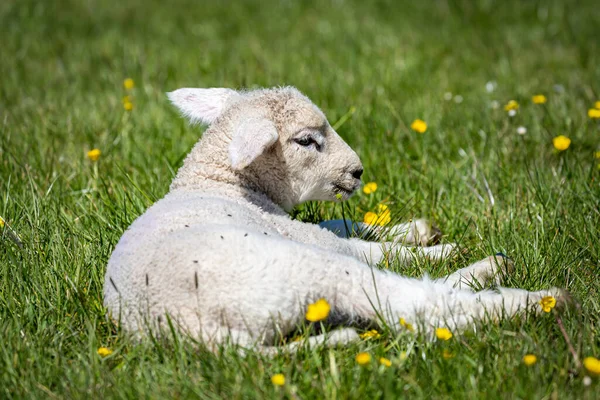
(422, 233)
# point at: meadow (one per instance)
(78, 75)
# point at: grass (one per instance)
(63, 64)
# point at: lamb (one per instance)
(220, 257)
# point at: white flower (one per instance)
(447, 96)
(490, 86)
(458, 99)
(512, 113)
(494, 104)
(587, 381)
(521, 130)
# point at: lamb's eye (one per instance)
(305, 141)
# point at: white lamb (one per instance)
(222, 259)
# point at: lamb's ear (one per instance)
(250, 139)
(201, 105)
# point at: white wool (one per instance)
(220, 256)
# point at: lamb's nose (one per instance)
(357, 173)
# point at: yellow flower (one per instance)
(94, 154)
(597, 154)
(539, 99)
(318, 310)
(128, 106)
(511, 105)
(278, 380)
(406, 325)
(1, 223)
(382, 217)
(104, 351)
(339, 196)
(403, 356)
(363, 358)
(126, 99)
(443, 333)
(419, 125)
(529, 359)
(370, 218)
(128, 84)
(592, 364)
(561, 142)
(370, 334)
(547, 303)
(597, 105)
(370, 187)
(385, 362)
(447, 354)
(594, 113)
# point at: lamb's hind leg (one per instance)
(338, 337)
(475, 276)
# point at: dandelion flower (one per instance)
(521, 130)
(594, 113)
(511, 105)
(548, 303)
(370, 334)
(447, 354)
(104, 352)
(592, 364)
(128, 106)
(529, 359)
(597, 154)
(443, 333)
(370, 187)
(370, 218)
(363, 358)
(419, 125)
(597, 105)
(587, 381)
(561, 142)
(278, 380)
(512, 113)
(385, 362)
(128, 84)
(539, 99)
(318, 310)
(406, 325)
(1, 222)
(382, 217)
(94, 154)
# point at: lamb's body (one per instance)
(221, 257)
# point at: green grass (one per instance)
(62, 65)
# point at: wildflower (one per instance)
(594, 113)
(128, 84)
(104, 352)
(490, 86)
(370, 218)
(447, 354)
(385, 362)
(382, 217)
(370, 187)
(94, 154)
(128, 106)
(448, 96)
(512, 113)
(597, 105)
(587, 381)
(419, 125)
(547, 303)
(318, 310)
(443, 333)
(370, 334)
(339, 196)
(278, 380)
(403, 356)
(363, 358)
(1, 222)
(529, 359)
(406, 325)
(597, 154)
(539, 99)
(561, 142)
(592, 364)
(521, 130)
(126, 99)
(511, 105)
(458, 99)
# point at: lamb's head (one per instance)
(276, 140)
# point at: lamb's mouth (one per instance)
(344, 191)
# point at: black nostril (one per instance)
(357, 173)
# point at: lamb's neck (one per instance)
(222, 179)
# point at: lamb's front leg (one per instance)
(419, 232)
